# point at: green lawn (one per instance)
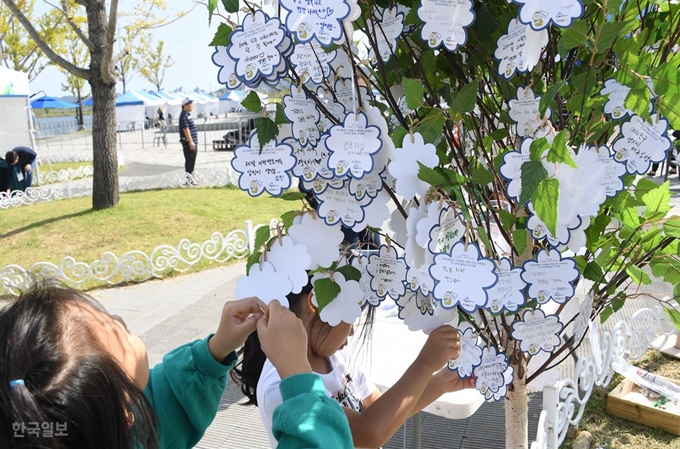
(63, 166)
(142, 221)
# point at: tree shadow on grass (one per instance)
(38, 224)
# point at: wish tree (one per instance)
(499, 147)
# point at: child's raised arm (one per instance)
(382, 418)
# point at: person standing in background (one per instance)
(23, 160)
(188, 135)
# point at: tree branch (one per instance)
(107, 73)
(74, 26)
(55, 58)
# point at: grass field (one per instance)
(142, 221)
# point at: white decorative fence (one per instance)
(134, 266)
(70, 174)
(85, 156)
(564, 402)
(211, 178)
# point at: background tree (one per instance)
(19, 50)
(128, 65)
(510, 144)
(98, 34)
(152, 62)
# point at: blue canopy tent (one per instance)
(51, 103)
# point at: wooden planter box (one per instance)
(643, 413)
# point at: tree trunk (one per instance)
(103, 85)
(517, 411)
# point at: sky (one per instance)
(186, 40)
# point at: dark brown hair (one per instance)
(68, 378)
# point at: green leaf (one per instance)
(292, 196)
(666, 267)
(280, 118)
(430, 175)
(212, 4)
(398, 136)
(325, 291)
(537, 148)
(657, 199)
(593, 272)
(638, 276)
(262, 236)
(672, 227)
(222, 36)
(519, 238)
(350, 273)
(549, 96)
(414, 92)
(674, 316)
(482, 176)
(545, 203)
(432, 125)
(230, 5)
(533, 173)
(607, 33)
(507, 218)
(266, 130)
(575, 35)
(466, 99)
(606, 313)
(252, 260)
(252, 102)
(559, 151)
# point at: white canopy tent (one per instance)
(229, 102)
(133, 107)
(173, 104)
(15, 109)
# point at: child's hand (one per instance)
(449, 381)
(239, 319)
(284, 340)
(442, 345)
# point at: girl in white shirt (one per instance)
(373, 417)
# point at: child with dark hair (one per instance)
(373, 417)
(64, 359)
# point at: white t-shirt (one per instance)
(349, 389)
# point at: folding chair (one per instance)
(159, 136)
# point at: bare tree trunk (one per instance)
(105, 192)
(517, 410)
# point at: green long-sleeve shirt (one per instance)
(186, 388)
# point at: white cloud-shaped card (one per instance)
(320, 19)
(550, 277)
(463, 277)
(335, 109)
(322, 242)
(352, 145)
(368, 186)
(615, 107)
(404, 167)
(418, 279)
(386, 152)
(540, 231)
(264, 282)
(537, 332)
(255, 46)
(376, 211)
(288, 257)
(369, 297)
(642, 144)
(388, 272)
(312, 161)
(422, 313)
(511, 169)
(541, 13)
(227, 73)
(520, 49)
(389, 27)
(508, 293)
(449, 230)
(612, 181)
(492, 373)
(524, 112)
(266, 170)
(445, 22)
(346, 306)
(312, 62)
(319, 185)
(303, 114)
(470, 354)
(339, 206)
